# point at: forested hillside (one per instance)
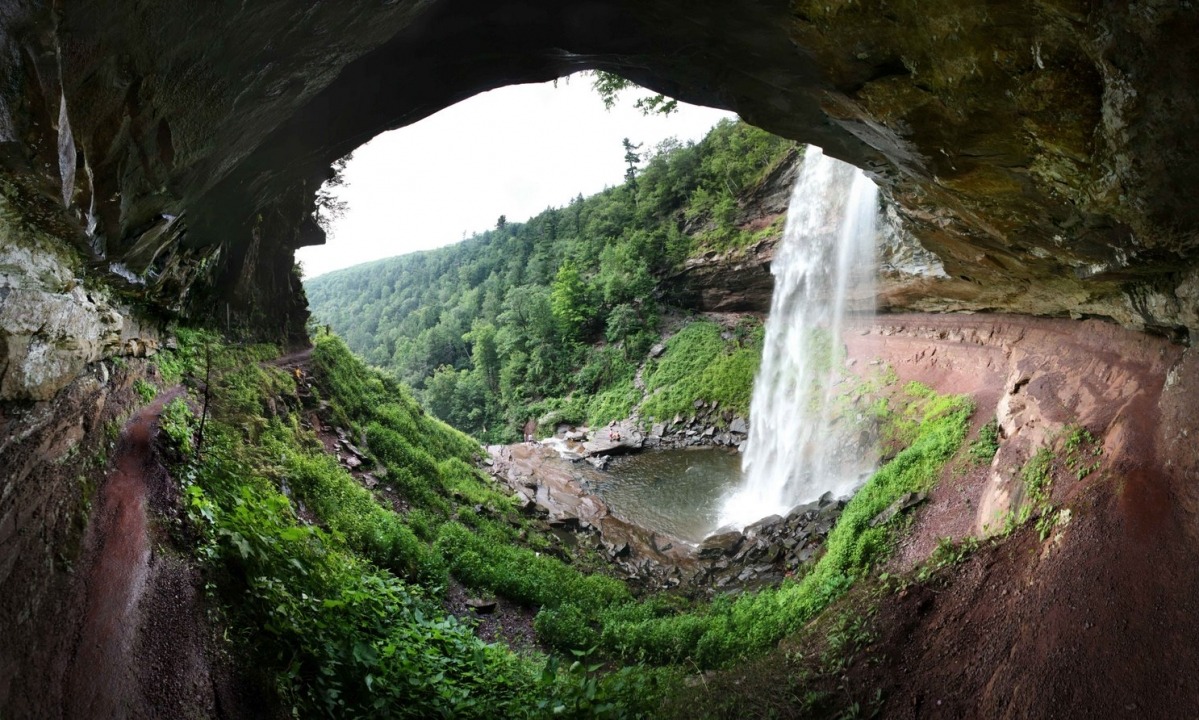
(558, 312)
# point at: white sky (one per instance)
(513, 151)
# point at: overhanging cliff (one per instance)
(1043, 151)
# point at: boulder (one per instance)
(807, 511)
(615, 441)
(762, 526)
(738, 426)
(720, 544)
(618, 550)
(905, 502)
(599, 462)
(483, 607)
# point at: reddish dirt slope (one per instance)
(1101, 618)
(130, 638)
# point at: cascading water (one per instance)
(824, 265)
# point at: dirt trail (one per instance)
(295, 359)
(116, 559)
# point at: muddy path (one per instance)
(139, 642)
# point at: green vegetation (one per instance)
(145, 390)
(947, 554)
(1080, 456)
(730, 629)
(699, 364)
(342, 617)
(177, 423)
(556, 314)
(1083, 451)
(339, 613)
(983, 449)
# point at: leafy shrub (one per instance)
(146, 391)
(579, 691)
(565, 628)
(351, 511)
(178, 422)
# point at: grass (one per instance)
(699, 364)
(341, 618)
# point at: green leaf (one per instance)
(365, 654)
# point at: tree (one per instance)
(610, 86)
(568, 300)
(502, 222)
(329, 207)
(484, 354)
(631, 158)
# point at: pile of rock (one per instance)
(767, 550)
(709, 425)
(348, 453)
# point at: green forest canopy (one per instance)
(552, 313)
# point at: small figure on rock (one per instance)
(530, 429)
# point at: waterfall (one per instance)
(824, 264)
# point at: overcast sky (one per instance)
(513, 151)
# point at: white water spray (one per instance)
(824, 264)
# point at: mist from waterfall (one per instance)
(823, 266)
